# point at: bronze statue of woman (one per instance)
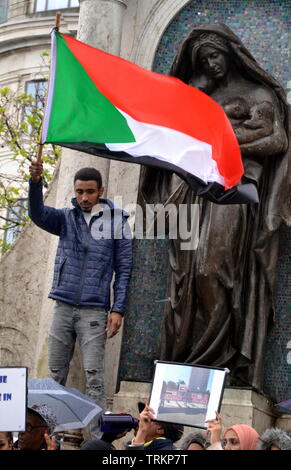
(222, 294)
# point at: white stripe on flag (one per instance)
(51, 86)
(171, 146)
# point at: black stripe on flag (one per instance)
(214, 192)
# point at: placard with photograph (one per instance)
(187, 394)
(13, 398)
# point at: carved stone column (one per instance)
(100, 23)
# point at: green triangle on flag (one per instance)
(76, 99)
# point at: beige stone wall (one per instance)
(23, 281)
(18, 8)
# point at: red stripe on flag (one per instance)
(165, 101)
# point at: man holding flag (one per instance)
(94, 243)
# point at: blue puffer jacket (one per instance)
(86, 256)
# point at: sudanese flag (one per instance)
(104, 105)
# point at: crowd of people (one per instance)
(150, 435)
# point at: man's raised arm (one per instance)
(45, 217)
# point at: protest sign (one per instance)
(13, 398)
(187, 394)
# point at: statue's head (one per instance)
(209, 60)
(203, 59)
(220, 42)
(210, 53)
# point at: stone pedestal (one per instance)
(239, 406)
(243, 406)
(129, 395)
(284, 422)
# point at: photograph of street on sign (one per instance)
(186, 394)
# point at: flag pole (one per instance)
(40, 147)
(58, 19)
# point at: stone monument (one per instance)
(221, 294)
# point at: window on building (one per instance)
(36, 88)
(44, 5)
(15, 220)
(3, 10)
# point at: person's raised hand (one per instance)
(145, 419)
(51, 442)
(214, 428)
(146, 416)
(35, 170)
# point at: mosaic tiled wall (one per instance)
(263, 26)
(142, 322)
(278, 357)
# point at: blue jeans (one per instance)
(87, 325)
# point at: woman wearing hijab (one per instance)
(240, 437)
(237, 437)
(222, 294)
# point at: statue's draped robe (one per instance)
(222, 294)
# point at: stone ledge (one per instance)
(284, 422)
(238, 406)
(30, 32)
